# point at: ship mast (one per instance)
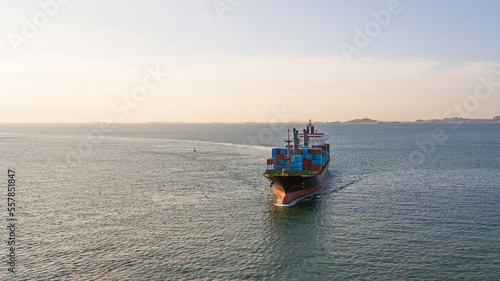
(288, 141)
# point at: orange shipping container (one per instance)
(316, 151)
(315, 167)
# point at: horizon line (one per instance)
(248, 122)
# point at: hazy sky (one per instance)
(242, 60)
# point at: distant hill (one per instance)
(448, 120)
(362, 121)
(495, 119)
(453, 120)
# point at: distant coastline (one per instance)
(495, 119)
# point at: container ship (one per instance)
(300, 168)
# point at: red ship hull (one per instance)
(291, 188)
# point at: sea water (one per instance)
(136, 202)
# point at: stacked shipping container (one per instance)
(309, 158)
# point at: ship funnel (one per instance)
(312, 129)
(295, 141)
(306, 138)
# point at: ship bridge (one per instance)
(313, 139)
